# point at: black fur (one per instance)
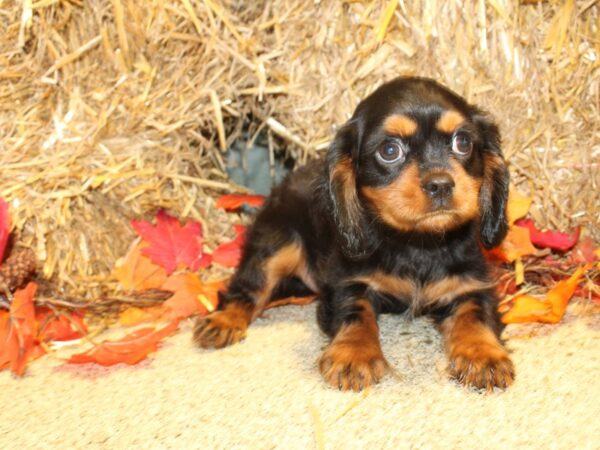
(343, 239)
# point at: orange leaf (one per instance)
(231, 202)
(551, 309)
(134, 315)
(518, 205)
(136, 272)
(18, 329)
(59, 327)
(185, 301)
(516, 244)
(131, 349)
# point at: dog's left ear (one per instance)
(493, 195)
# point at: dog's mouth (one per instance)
(439, 213)
(439, 220)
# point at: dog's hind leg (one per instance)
(265, 263)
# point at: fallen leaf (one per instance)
(187, 288)
(551, 309)
(59, 326)
(515, 245)
(232, 202)
(4, 228)
(584, 252)
(131, 349)
(171, 245)
(229, 253)
(292, 301)
(518, 205)
(549, 239)
(134, 315)
(18, 329)
(136, 272)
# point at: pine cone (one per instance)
(17, 270)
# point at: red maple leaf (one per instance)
(171, 245)
(229, 253)
(4, 227)
(131, 349)
(18, 329)
(550, 239)
(232, 202)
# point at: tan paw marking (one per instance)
(481, 365)
(222, 328)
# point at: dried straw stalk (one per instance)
(112, 109)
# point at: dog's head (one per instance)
(417, 157)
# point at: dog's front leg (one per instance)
(477, 357)
(353, 359)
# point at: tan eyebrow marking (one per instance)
(400, 125)
(450, 121)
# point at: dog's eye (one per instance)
(462, 144)
(390, 152)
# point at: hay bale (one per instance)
(112, 109)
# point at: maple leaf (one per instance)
(59, 327)
(549, 239)
(517, 206)
(229, 253)
(516, 244)
(134, 315)
(170, 244)
(136, 272)
(131, 349)
(18, 329)
(232, 202)
(551, 309)
(190, 297)
(4, 228)
(584, 252)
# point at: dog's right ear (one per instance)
(342, 163)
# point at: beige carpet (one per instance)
(266, 393)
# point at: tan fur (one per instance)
(433, 294)
(222, 328)
(404, 206)
(343, 174)
(450, 121)
(354, 359)
(400, 125)
(288, 261)
(401, 202)
(477, 358)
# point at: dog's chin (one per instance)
(439, 221)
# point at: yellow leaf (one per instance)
(519, 272)
(516, 244)
(518, 205)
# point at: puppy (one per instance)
(393, 220)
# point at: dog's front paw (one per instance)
(221, 328)
(483, 366)
(346, 366)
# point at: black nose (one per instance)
(438, 186)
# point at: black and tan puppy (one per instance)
(392, 220)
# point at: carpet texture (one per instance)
(266, 393)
